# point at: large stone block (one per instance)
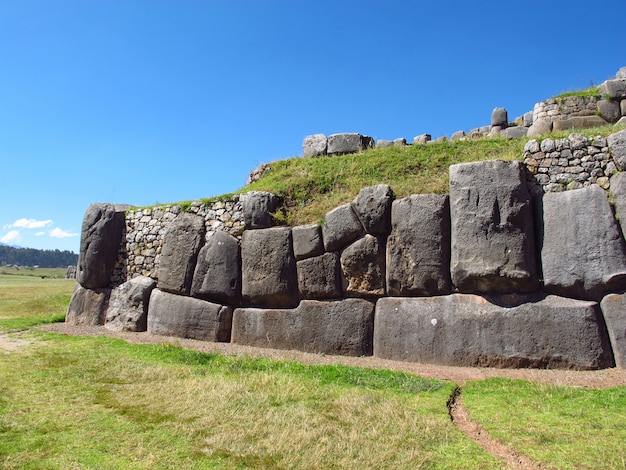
(614, 310)
(258, 207)
(418, 248)
(307, 241)
(88, 307)
(181, 244)
(319, 277)
(500, 117)
(268, 269)
(615, 89)
(128, 305)
(348, 143)
(315, 145)
(492, 228)
(514, 132)
(609, 110)
(363, 267)
(617, 148)
(508, 331)
(341, 226)
(578, 122)
(373, 208)
(217, 276)
(582, 250)
(187, 317)
(342, 327)
(101, 237)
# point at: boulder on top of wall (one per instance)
(539, 127)
(492, 230)
(384, 143)
(363, 267)
(582, 249)
(373, 208)
(527, 119)
(422, 139)
(217, 276)
(307, 241)
(500, 117)
(616, 89)
(348, 143)
(341, 226)
(458, 135)
(418, 247)
(609, 110)
(536, 331)
(258, 207)
(514, 132)
(128, 305)
(315, 145)
(399, 142)
(181, 243)
(621, 73)
(617, 148)
(101, 236)
(613, 307)
(319, 277)
(578, 122)
(88, 306)
(342, 327)
(268, 268)
(187, 317)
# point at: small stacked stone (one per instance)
(570, 106)
(561, 164)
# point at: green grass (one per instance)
(561, 427)
(591, 92)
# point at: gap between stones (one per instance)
(461, 419)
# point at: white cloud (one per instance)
(58, 233)
(11, 237)
(31, 223)
(40, 234)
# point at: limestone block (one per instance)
(539, 127)
(609, 110)
(315, 145)
(217, 276)
(87, 306)
(492, 228)
(422, 139)
(319, 277)
(617, 148)
(268, 268)
(101, 237)
(258, 207)
(363, 267)
(527, 119)
(348, 143)
(181, 244)
(384, 143)
(418, 248)
(458, 135)
(578, 122)
(535, 331)
(307, 241)
(342, 327)
(499, 117)
(187, 317)
(615, 89)
(341, 226)
(373, 208)
(514, 132)
(614, 310)
(128, 305)
(582, 250)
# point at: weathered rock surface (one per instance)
(319, 277)
(342, 327)
(514, 132)
(88, 306)
(187, 317)
(363, 267)
(101, 236)
(128, 305)
(181, 244)
(258, 207)
(269, 276)
(418, 248)
(348, 143)
(373, 208)
(217, 276)
(508, 331)
(341, 226)
(582, 250)
(500, 117)
(307, 241)
(492, 232)
(315, 145)
(617, 147)
(539, 127)
(614, 310)
(578, 122)
(618, 190)
(609, 110)
(616, 89)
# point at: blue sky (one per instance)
(146, 101)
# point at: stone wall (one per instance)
(489, 275)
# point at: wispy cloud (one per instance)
(11, 237)
(58, 233)
(31, 223)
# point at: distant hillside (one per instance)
(31, 257)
